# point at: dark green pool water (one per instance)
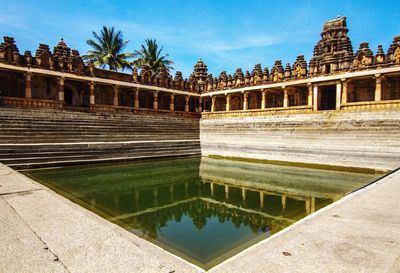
(204, 210)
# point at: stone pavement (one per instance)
(41, 231)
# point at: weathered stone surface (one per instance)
(358, 234)
(79, 239)
(368, 139)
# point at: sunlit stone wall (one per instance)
(368, 139)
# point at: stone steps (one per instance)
(43, 138)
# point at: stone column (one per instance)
(228, 102)
(226, 192)
(61, 88)
(187, 104)
(315, 97)
(338, 94)
(378, 87)
(155, 100)
(244, 195)
(261, 199)
(344, 91)
(212, 188)
(245, 96)
(115, 98)
(91, 91)
(171, 102)
(310, 95)
(28, 89)
(263, 99)
(285, 97)
(283, 202)
(136, 102)
(213, 98)
(200, 108)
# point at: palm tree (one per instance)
(108, 50)
(150, 55)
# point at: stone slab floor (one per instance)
(41, 231)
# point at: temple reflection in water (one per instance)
(191, 205)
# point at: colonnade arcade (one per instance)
(344, 93)
(31, 89)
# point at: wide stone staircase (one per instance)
(44, 138)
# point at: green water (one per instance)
(204, 210)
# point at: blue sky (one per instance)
(225, 34)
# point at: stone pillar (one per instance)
(312, 204)
(61, 88)
(338, 94)
(310, 95)
(200, 108)
(115, 98)
(91, 91)
(245, 96)
(187, 104)
(285, 97)
(378, 87)
(228, 102)
(28, 89)
(308, 205)
(136, 102)
(226, 192)
(155, 100)
(171, 102)
(344, 91)
(212, 188)
(283, 202)
(244, 195)
(263, 99)
(261, 199)
(315, 97)
(213, 98)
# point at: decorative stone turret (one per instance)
(9, 51)
(299, 69)
(61, 55)
(145, 75)
(135, 76)
(277, 73)
(393, 54)
(222, 80)
(288, 71)
(162, 77)
(200, 71)
(257, 74)
(177, 82)
(265, 75)
(247, 78)
(239, 77)
(380, 56)
(364, 56)
(28, 59)
(334, 51)
(44, 57)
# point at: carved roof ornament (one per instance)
(364, 56)
(238, 77)
(380, 55)
(288, 71)
(222, 80)
(9, 51)
(277, 72)
(265, 75)
(200, 71)
(28, 59)
(299, 68)
(247, 78)
(334, 51)
(135, 75)
(145, 75)
(257, 74)
(393, 54)
(44, 57)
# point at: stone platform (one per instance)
(44, 232)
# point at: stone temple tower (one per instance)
(334, 51)
(200, 74)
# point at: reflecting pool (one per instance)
(204, 210)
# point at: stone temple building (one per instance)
(337, 85)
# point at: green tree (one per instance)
(108, 50)
(150, 55)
